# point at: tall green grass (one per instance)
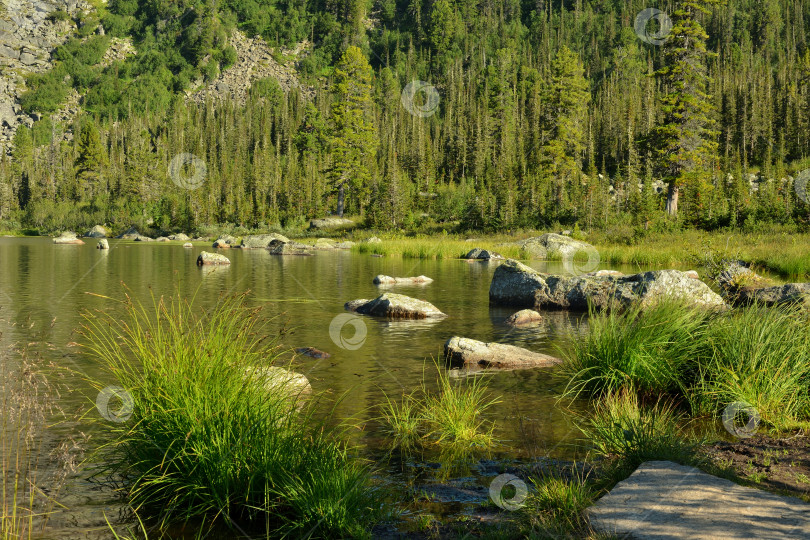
(435, 248)
(652, 351)
(206, 439)
(450, 415)
(706, 360)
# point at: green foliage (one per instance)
(211, 436)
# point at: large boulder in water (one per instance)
(396, 306)
(330, 223)
(256, 241)
(524, 317)
(552, 245)
(464, 352)
(225, 241)
(515, 284)
(68, 238)
(483, 255)
(206, 258)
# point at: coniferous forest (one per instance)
(535, 113)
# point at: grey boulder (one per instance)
(469, 353)
(206, 258)
(68, 238)
(524, 317)
(279, 247)
(96, 232)
(388, 280)
(515, 284)
(103, 244)
(256, 241)
(483, 254)
(330, 223)
(396, 306)
(552, 245)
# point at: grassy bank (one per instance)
(214, 431)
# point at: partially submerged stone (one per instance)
(389, 280)
(312, 352)
(188, 245)
(515, 284)
(483, 255)
(68, 238)
(277, 380)
(396, 306)
(257, 241)
(524, 317)
(206, 258)
(103, 244)
(464, 352)
(662, 500)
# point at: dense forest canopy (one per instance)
(547, 113)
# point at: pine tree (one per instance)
(686, 151)
(354, 140)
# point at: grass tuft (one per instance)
(207, 438)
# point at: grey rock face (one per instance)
(789, 293)
(552, 245)
(464, 352)
(516, 284)
(396, 306)
(224, 242)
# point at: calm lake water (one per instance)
(43, 289)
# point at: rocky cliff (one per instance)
(28, 35)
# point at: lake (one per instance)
(44, 288)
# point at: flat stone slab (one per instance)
(664, 500)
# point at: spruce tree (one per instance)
(354, 140)
(686, 150)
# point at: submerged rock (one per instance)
(483, 254)
(524, 317)
(68, 237)
(312, 352)
(515, 284)
(388, 280)
(464, 352)
(103, 244)
(395, 306)
(206, 258)
(257, 241)
(281, 381)
(188, 245)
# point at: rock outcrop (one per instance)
(469, 353)
(257, 241)
(388, 280)
(515, 284)
(552, 245)
(130, 234)
(790, 293)
(206, 258)
(225, 241)
(395, 306)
